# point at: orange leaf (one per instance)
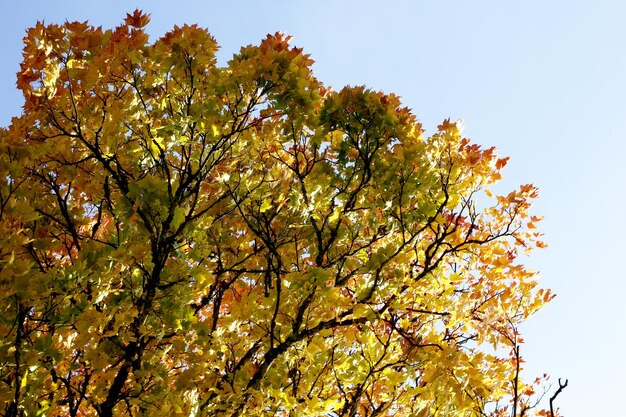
(501, 163)
(138, 19)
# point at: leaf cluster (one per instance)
(183, 238)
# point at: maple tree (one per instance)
(183, 238)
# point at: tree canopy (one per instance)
(183, 238)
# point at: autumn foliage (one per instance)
(183, 238)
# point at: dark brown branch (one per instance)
(556, 394)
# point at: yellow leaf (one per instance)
(456, 277)
(360, 310)
(24, 380)
(267, 204)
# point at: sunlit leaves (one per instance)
(192, 239)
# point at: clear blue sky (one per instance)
(544, 81)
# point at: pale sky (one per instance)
(543, 81)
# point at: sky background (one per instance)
(543, 81)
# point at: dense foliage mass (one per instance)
(181, 238)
